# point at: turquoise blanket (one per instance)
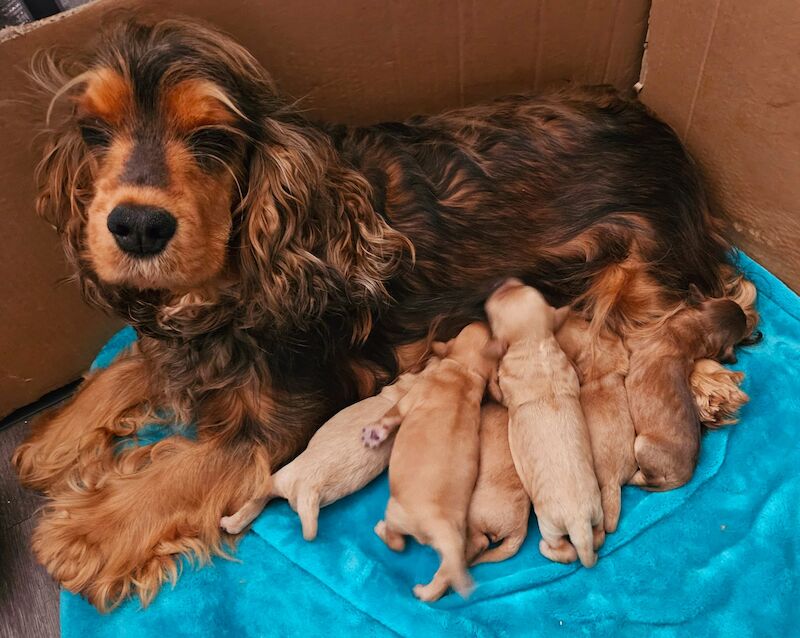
(718, 557)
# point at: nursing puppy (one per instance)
(602, 364)
(500, 507)
(547, 433)
(434, 463)
(334, 465)
(662, 405)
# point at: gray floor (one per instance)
(28, 596)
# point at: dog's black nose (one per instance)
(141, 230)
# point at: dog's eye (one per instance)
(211, 147)
(95, 134)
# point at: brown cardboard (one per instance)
(346, 60)
(725, 75)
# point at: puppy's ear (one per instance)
(494, 387)
(441, 348)
(559, 317)
(495, 349)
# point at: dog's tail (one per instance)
(505, 550)
(581, 536)
(308, 510)
(611, 497)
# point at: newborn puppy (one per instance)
(660, 398)
(547, 433)
(434, 462)
(602, 364)
(333, 465)
(499, 508)
(716, 393)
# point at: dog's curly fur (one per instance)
(305, 257)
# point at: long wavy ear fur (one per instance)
(64, 175)
(311, 244)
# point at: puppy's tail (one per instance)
(611, 496)
(581, 536)
(505, 550)
(308, 511)
(453, 571)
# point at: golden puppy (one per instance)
(500, 507)
(659, 395)
(602, 364)
(547, 433)
(334, 465)
(434, 462)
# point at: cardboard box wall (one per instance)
(351, 61)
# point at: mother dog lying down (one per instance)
(274, 267)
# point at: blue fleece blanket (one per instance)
(718, 557)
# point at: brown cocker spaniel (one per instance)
(273, 267)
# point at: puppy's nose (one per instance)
(141, 231)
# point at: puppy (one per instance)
(659, 395)
(500, 507)
(716, 393)
(602, 364)
(333, 465)
(547, 433)
(434, 463)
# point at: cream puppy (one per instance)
(434, 462)
(500, 507)
(547, 433)
(602, 364)
(334, 465)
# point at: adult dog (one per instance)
(273, 268)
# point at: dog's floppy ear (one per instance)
(441, 348)
(494, 387)
(559, 317)
(64, 175)
(495, 349)
(310, 239)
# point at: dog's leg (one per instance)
(554, 544)
(160, 502)
(375, 434)
(246, 514)
(507, 548)
(80, 435)
(477, 542)
(394, 540)
(450, 545)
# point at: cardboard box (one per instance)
(360, 61)
(726, 76)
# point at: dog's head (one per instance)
(175, 167)
(517, 312)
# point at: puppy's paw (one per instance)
(232, 524)
(563, 552)
(374, 435)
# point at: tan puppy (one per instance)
(434, 462)
(334, 465)
(547, 433)
(500, 507)
(602, 364)
(662, 405)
